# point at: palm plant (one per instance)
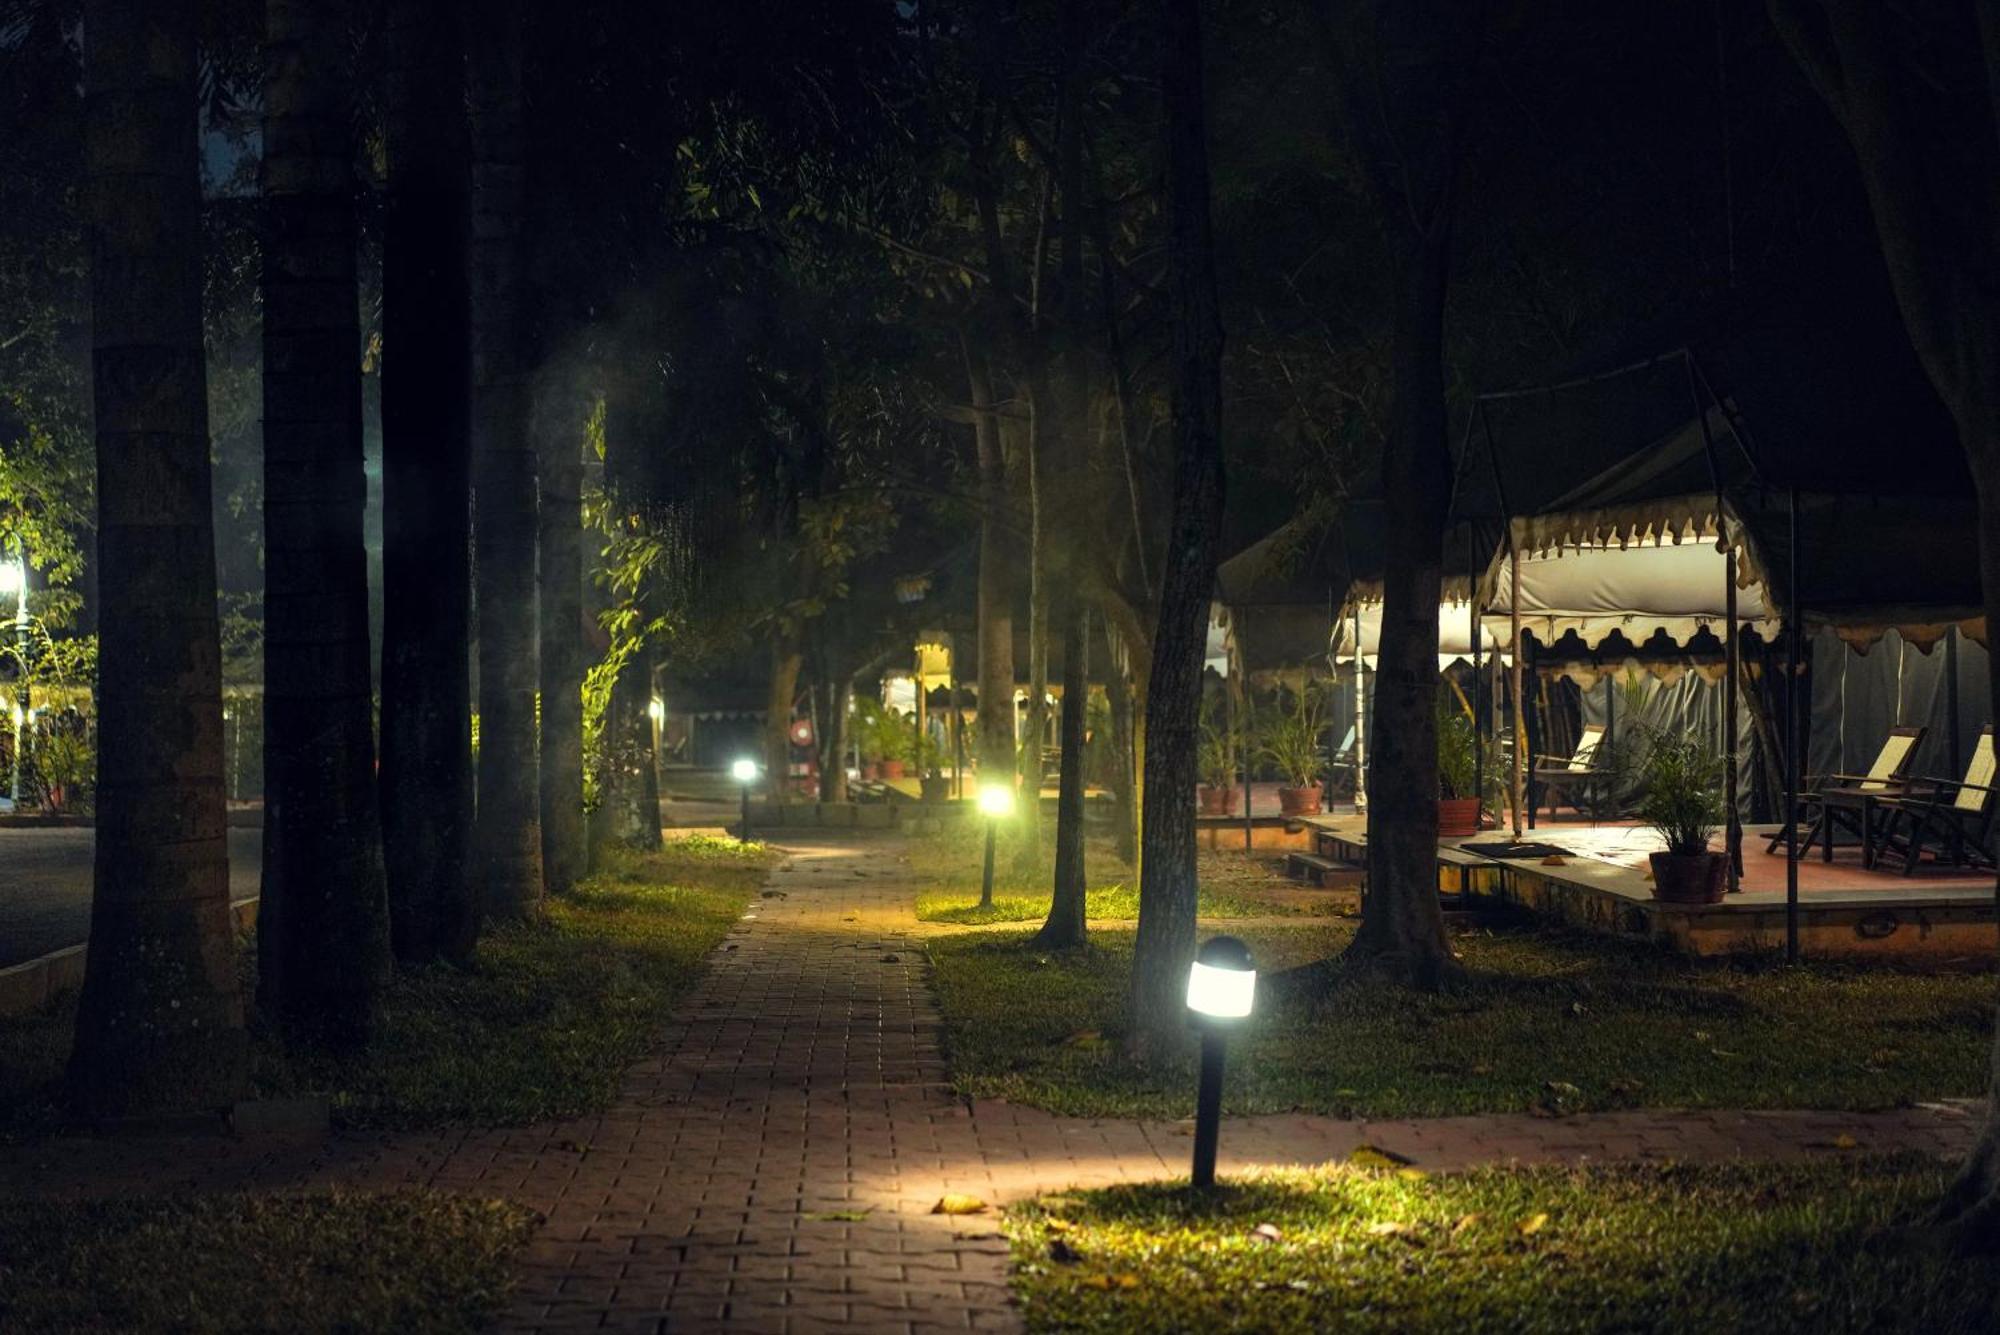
(1216, 757)
(1683, 776)
(1294, 740)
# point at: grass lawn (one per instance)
(540, 1025)
(1546, 1021)
(329, 1261)
(1232, 885)
(1722, 1247)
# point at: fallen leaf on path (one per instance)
(1412, 1174)
(955, 1203)
(1386, 1228)
(1465, 1221)
(1368, 1156)
(1845, 1142)
(1533, 1224)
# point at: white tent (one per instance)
(1361, 622)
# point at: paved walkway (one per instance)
(774, 1166)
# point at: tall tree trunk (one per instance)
(1028, 845)
(996, 584)
(1065, 925)
(323, 915)
(1118, 693)
(1928, 144)
(781, 690)
(559, 640)
(631, 771)
(160, 1025)
(1402, 926)
(832, 738)
(426, 467)
(1165, 940)
(508, 830)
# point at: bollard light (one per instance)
(1222, 990)
(744, 771)
(996, 803)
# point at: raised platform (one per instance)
(1845, 911)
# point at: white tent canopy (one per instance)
(1638, 589)
(1454, 633)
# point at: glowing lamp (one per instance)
(13, 578)
(656, 709)
(1222, 990)
(996, 801)
(744, 771)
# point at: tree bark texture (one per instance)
(508, 829)
(559, 640)
(1065, 924)
(781, 691)
(1118, 694)
(323, 914)
(996, 585)
(1165, 940)
(631, 771)
(426, 481)
(159, 1028)
(838, 695)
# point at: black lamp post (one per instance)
(1222, 988)
(745, 773)
(996, 803)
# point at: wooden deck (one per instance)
(1845, 910)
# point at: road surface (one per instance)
(45, 886)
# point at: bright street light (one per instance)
(13, 577)
(996, 803)
(744, 771)
(1222, 989)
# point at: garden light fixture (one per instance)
(1222, 989)
(996, 803)
(744, 771)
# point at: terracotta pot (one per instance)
(1458, 817)
(1299, 801)
(1689, 878)
(892, 769)
(1216, 801)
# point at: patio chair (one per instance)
(1341, 768)
(1554, 780)
(1853, 801)
(1954, 819)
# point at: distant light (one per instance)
(744, 771)
(996, 800)
(1222, 985)
(657, 708)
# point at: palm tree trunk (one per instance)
(1118, 692)
(323, 916)
(426, 483)
(160, 1025)
(509, 815)
(1165, 939)
(559, 635)
(1065, 924)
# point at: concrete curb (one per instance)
(33, 984)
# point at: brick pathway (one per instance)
(773, 1166)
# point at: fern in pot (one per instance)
(1216, 759)
(1294, 743)
(1460, 803)
(1683, 778)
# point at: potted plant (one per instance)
(1459, 798)
(1294, 743)
(930, 760)
(865, 724)
(893, 744)
(1217, 761)
(1683, 778)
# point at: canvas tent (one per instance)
(1275, 599)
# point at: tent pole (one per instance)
(1792, 636)
(1732, 831)
(1951, 698)
(1520, 726)
(1478, 730)
(1360, 719)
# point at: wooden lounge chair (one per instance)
(1554, 780)
(1340, 770)
(1954, 819)
(1854, 801)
